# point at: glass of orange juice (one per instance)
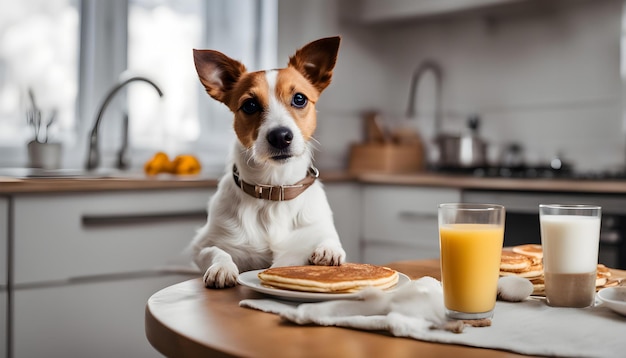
(470, 241)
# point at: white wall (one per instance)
(359, 68)
(545, 74)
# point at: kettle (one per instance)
(466, 151)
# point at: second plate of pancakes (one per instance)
(526, 261)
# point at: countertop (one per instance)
(10, 185)
(506, 184)
(42, 185)
(54, 185)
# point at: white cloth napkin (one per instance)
(528, 327)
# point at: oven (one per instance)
(522, 218)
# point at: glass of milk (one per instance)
(570, 235)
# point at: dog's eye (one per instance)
(250, 106)
(299, 100)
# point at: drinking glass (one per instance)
(570, 236)
(470, 241)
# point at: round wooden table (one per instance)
(189, 320)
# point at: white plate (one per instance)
(251, 280)
(614, 298)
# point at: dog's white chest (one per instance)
(270, 222)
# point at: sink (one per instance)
(100, 173)
(67, 173)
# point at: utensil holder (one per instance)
(44, 155)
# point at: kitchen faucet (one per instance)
(417, 75)
(93, 157)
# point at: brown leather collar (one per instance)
(278, 192)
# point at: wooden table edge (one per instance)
(172, 342)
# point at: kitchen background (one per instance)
(545, 74)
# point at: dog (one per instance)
(269, 208)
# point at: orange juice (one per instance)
(470, 265)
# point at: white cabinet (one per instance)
(71, 235)
(4, 237)
(345, 201)
(400, 222)
(3, 322)
(373, 11)
(89, 319)
(85, 265)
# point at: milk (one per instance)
(570, 255)
(570, 243)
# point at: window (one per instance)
(118, 39)
(161, 35)
(38, 51)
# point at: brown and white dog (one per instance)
(269, 209)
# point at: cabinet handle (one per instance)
(137, 219)
(415, 216)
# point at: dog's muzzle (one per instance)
(277, 192)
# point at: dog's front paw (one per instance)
(221, 275)
(327, 256)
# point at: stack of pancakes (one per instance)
(526, 261)
(346, 278)
(523, 261)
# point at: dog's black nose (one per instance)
(280, 138)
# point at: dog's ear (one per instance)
(316, 61)
(218, 72)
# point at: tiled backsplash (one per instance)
(544, 74)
